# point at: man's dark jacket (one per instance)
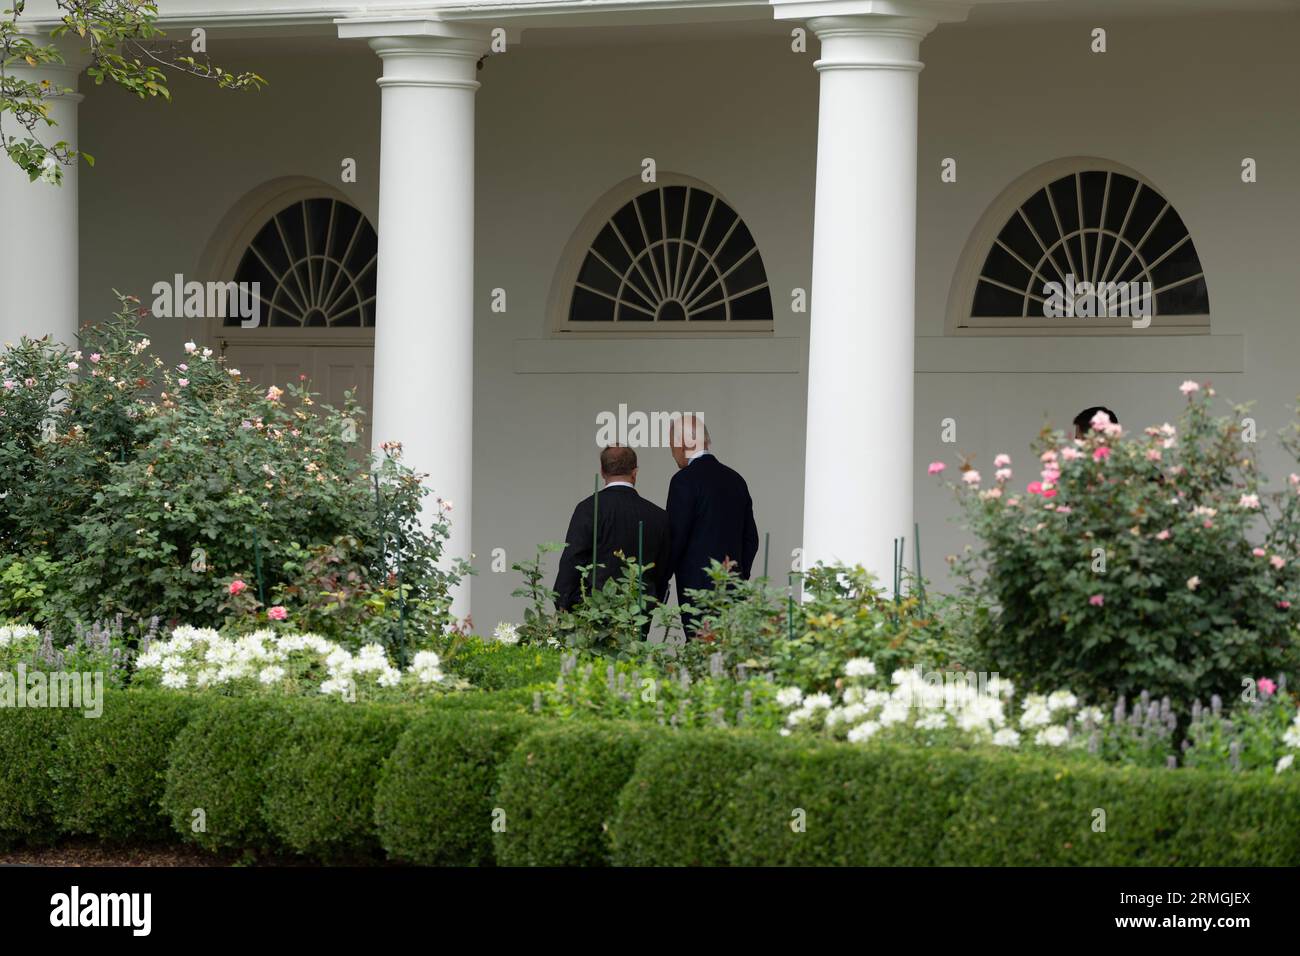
(620, 511)
(711, 517)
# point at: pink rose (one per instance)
(1284, 605)
(237, 587)
(1259, 552)
(277, 613)
(936, 467)
(1002, 461)
(1267, 686)
(1188, 387)
(1163, 535)
(1100, 453)
(971, 476)
(1034, 488)
(1277, 561)
(1097, 600)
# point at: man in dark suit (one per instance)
(710, 514)
(617, 515)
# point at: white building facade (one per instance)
(769, 214)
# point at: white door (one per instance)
(331, 371)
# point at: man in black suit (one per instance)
(710, 514)
(619, 512)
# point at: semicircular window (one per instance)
(315, 262)
(673, 256)
(1092, 245)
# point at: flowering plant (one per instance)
(942, 708)
(1261, 732)
(157, 485)
(1156, 561)
(102, 649)
(285, 664)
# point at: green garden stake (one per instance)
(640, 553)
(920, 578)
(767, 542)
(257, 560)
(595, 521)
(789, 613)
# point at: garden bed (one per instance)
(474, 779)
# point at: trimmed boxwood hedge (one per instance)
(669, 813)
(109, 774)
(839, 804)
(559, 789)
(1028, 811)
(320, 780)
(29, 748)
(337, 781)
(218, 765)
(434, 804)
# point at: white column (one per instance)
(858, 462)
(39, 267)
(424, 322)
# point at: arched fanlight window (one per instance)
(1087, 249)
(315, 260)
(673, 256)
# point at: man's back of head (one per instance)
(618, 463)
(1083, 421)
(688, 436)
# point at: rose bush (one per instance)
(1156, 561)
(157, 486)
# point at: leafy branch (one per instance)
(124, 46)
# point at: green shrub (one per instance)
(157, 486)
(1024, 811)
(671, 811)
(1155, 561)
(843, 805)
(30, 745)
(517, 701)
(492, 665)
(110, 773)
(434, 803)
(320, 781)
(559, 789)
(218, 765)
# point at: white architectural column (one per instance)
(39, 264)
(858, 469)
(424, 324)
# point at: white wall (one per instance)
(1182, 101)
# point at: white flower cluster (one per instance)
(203, 658)
(1039, 713)
(506, 633)
(16, 633)
(933, 702)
